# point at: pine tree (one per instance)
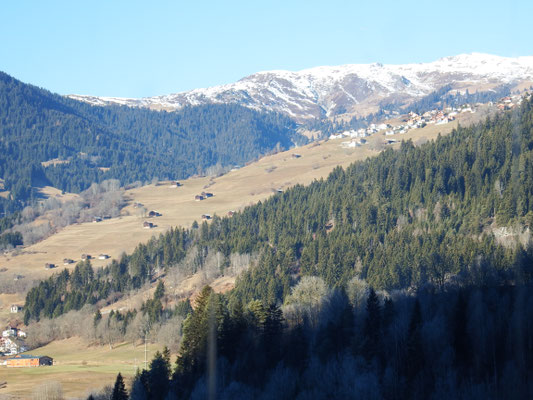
(193, 348)
(119, 391)
(159, 291)
(158, 375)
(138, 388)
(460, 338)
(272, 332)
(372, 330)
(415, 353)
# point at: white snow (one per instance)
(304, 93)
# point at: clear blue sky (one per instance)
(145, 48)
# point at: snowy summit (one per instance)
(357, 88)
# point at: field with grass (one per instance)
(78, 367)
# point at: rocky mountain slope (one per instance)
(359, 88)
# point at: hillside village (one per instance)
(413, 120)
(12, 341)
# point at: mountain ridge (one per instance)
(326, 91)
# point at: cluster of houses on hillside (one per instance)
(12, 344)
(84, 257)
(414, 121)
(12, 341)
(203, 196)
(411, 121)
(435, 117)
(357, 136)
(509, 102)
(151, 214)
(359, 133)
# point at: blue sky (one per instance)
(140, 48)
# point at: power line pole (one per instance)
(145, 354)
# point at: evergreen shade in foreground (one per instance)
(471, 343)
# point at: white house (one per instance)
(10, 332)
(10, 347)
(15, 308)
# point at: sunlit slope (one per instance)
(77, 367)
(178, 207)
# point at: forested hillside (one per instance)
(416, 225)
(404, 219)
(130, 144)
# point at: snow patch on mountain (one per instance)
(323, 91)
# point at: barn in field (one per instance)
(26, 360)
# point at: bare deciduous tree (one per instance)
(305, 300)
(48, 391)
(357, 291)
(169, 334)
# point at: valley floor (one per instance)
(78, 367)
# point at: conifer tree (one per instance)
(119, 390)
(415, 353)
(372, 330)
(158, 375)
(159, 291)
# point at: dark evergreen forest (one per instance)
(129, 144)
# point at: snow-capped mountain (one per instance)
(358, 88)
